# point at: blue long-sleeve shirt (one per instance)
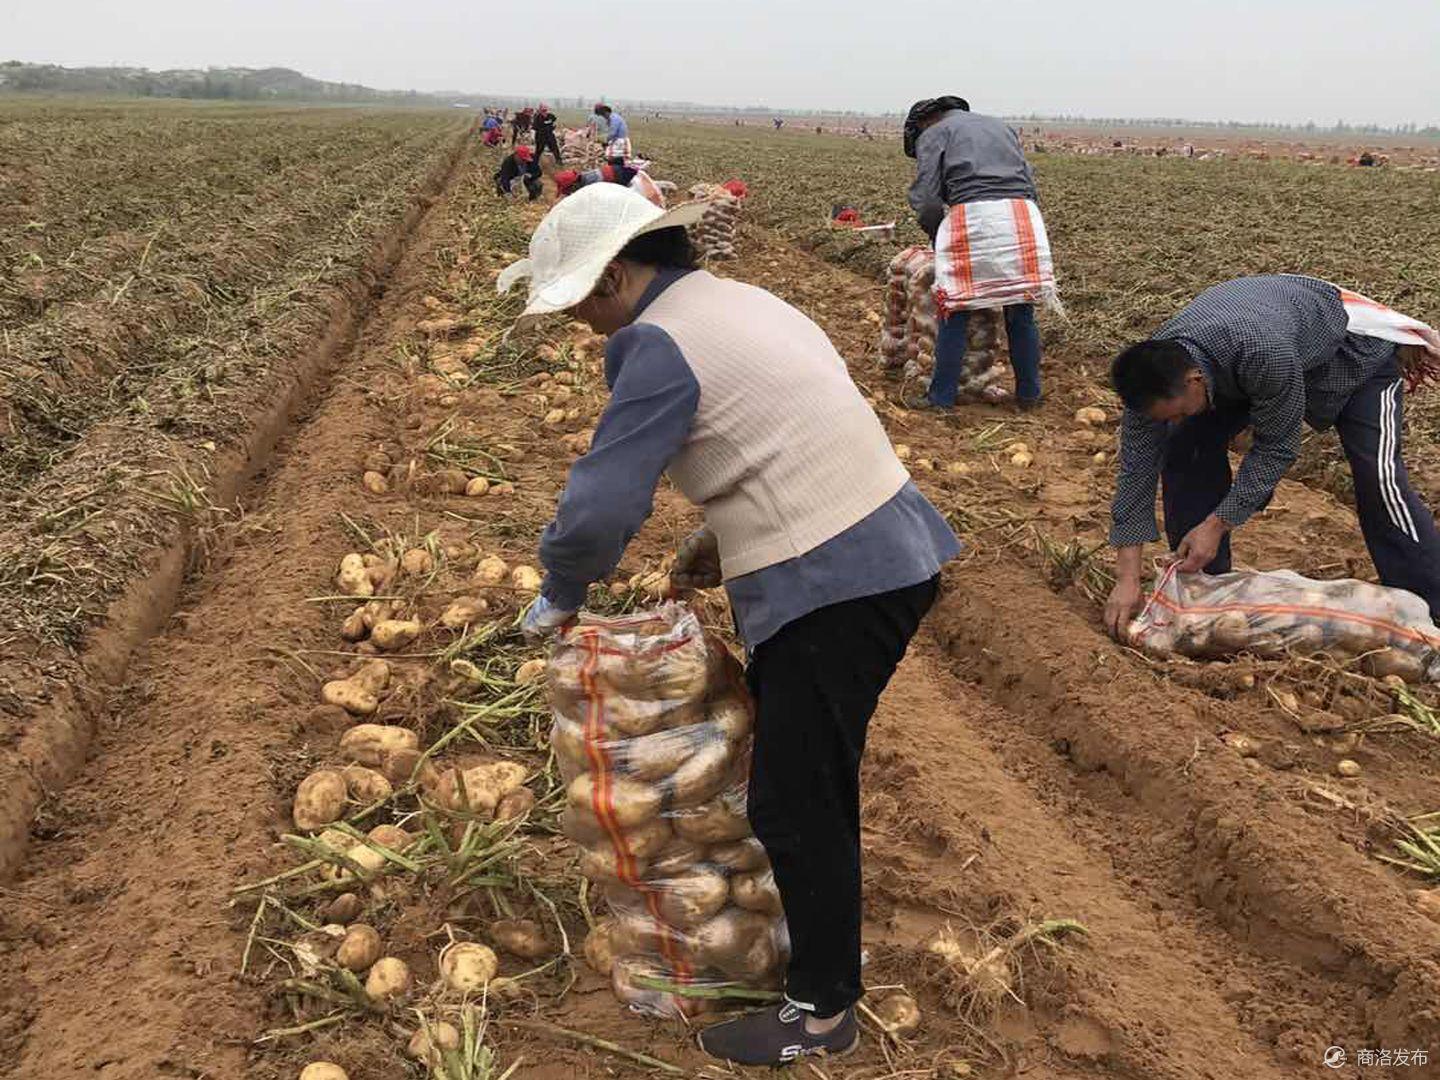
(618, 128)
(610, 493)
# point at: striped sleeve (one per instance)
(1271, 377)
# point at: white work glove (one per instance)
(543, 618)
(697, 562)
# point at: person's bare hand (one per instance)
(697, 562)
(1200, 545)
(1125, 600)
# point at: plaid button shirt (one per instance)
(1277, 344)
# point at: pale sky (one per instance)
(1287, 60)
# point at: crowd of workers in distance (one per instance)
(521, 168)
(831, 555)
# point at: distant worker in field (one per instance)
(520, 124)
(830, 554)
(975, 198)
(544, 123)
(569, 181)
(1269, 354)
(779, 122)
(615, 134)
(519, 165)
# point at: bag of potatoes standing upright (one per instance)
(652, 732)
(1279, 612)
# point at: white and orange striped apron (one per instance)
(992, 254)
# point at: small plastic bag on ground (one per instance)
(652, 732)
(1278, 613)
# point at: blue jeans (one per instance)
(950, 342)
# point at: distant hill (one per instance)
(232, 84)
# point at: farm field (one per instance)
(1239, 915)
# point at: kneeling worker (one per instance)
(830, 554)
(1267, 353)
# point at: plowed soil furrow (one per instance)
(121, 956)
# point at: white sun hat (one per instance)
(577, 239)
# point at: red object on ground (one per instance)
(736, 188)
(848, 215)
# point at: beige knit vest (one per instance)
(784, 453)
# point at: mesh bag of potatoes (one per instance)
(652, 732)
(1279, 613)
(910, 323)
(713, 236)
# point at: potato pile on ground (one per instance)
(907, 335)
(714, 235)
(652, 734)
(1279, 613)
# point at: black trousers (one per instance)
(1399, 530)
(546, 141)
(816, 684)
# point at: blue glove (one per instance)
(543, 618)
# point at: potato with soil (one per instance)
(366, 785)
(389, 979)
(466, 966)
(360, 948)
(520, 937)
(323, 1070)
(359, 693)
(319, 800)
(392, 635)
(353, 577)
(725, 941)
(629, 803)
(739, 857)
(715, 822)
(899, 1015)
(703, 774)
(430, 1042)
(599, 947)
(465, 611)
(688, 900)
(601, 863)
(480, 788)
(756, 891)
(367, 744)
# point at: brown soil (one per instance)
(1021, 767)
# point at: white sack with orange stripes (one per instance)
(1279, 613)
(652, 732)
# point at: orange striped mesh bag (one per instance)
(991, 254)
(1280, 613)
(652, 733)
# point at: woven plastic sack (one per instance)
(1279, 613)
(652, 733)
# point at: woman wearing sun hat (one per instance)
(829, 553)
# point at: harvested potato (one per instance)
(417, 561)
(631, 802)
(388, 980)
(725, 940)
(375, 483)
(1347, 768)
(554, 418)
(399, 765)
(460, 551)
(465, 611)
(704, 773)
(374, 676)
(477, 487)
(688, 900)
(714, 822)
(1392, 661)
(1090, 416)
(336, 840)
(526, 579)
(631, 716)
(1241, 744)
(677, 857)
(360, 948)
(319, 800)
(481, 787)
(350, 696)
(1021, 461)
(369, 743)
(393, 635)
(452, 481)
(344, 909)
(502, 490)
(492, 570)
(598, 949)
(756, 891)
(390, 836)
(530, 671)
(520, 937)
(467, 966)
(515, 805)
(431, 1041)
(366, 785)
(657, 756)
(373, 612)
(899, 1014)
(354, 628)
(323, 1070)
(603, 863)
(740, 857)
(903, 452)
(353, 577)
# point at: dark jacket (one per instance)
(544, 124)
(963, 158)
(511, 168)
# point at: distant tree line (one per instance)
(1340, 127)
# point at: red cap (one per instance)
(524, 153)
(566, 179)
(736, 188)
